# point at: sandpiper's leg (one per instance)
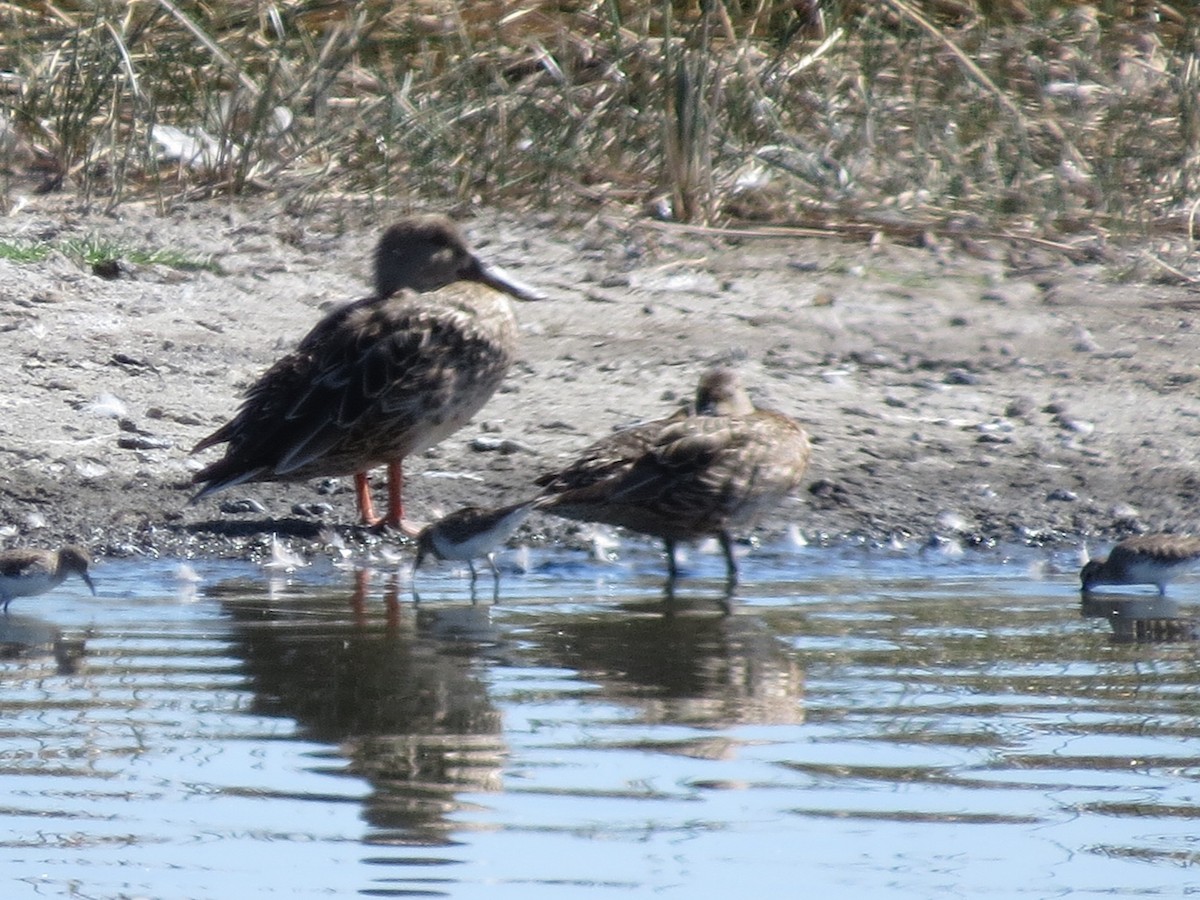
(725, 602)
(672, 569)
(669, 593)
(395, 517)
(412, 579)
(731, 570)
(491, 558)
(474, 575)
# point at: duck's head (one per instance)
(720, 393)
(424, 253)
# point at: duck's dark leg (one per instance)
(731, 569)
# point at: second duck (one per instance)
(701, 472)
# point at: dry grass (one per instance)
(1048, 117)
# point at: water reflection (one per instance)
(674, 597)
(687, 664)
(1138, 619)
(397, 693)
(476, 595)
(27, 638)
(876, 729)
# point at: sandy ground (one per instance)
(1001, 395)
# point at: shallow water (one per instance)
(862, 724)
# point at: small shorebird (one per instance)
(26, 572)
(380, 378)
(1145, 559)
(706, 470)
(469, 533)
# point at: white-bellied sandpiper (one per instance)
(26, 572)
(1146, 559)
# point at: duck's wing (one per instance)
(607, 459)
(364, 378)
(385, 365)
(713, 465)
(268, 401)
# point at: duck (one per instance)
(381, 378)
(710, 468)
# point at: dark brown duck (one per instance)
(380, 378)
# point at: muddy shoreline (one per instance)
(992, 393)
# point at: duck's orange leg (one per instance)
(395, 488)
(395, 516)
(366, 507)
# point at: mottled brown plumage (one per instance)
(25, 572)
(706, 470)
(1146, 559)
(380, 378)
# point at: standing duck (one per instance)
(381, 378)
(703, 471)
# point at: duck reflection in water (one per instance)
(687, 668)
(403, 705)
